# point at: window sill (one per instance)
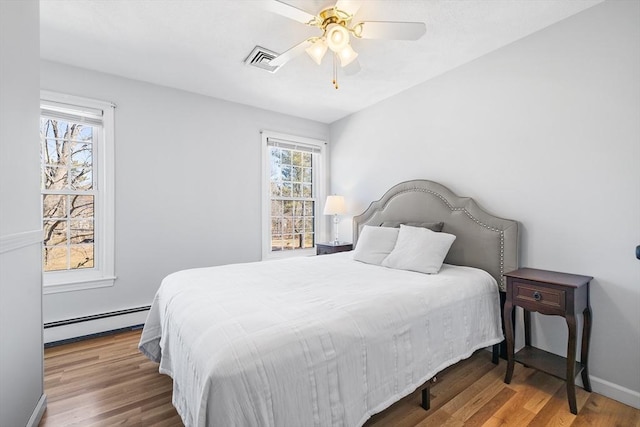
(77, 285)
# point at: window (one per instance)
(76, 153)
(294, 173)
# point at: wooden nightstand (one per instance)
(332, 248)
(551, 293)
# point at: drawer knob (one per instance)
(537, 296)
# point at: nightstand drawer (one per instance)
(539, 298)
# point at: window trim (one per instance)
(319, 185)
(103, 274)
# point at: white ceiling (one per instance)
(200, 46)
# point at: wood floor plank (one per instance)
(599, 410)
(489, 408)
(437, 417)
(526, 383)
(556, 411)
(475, 396)
(107, 382)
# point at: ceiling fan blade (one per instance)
(349, 6)
(288, 11)
(288, 55)
(392, 30)
(353, 68)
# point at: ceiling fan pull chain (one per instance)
(335, 71)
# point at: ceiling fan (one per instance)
(337, 26)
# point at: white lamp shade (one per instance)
(317, 50)
(337, 37)
(347, 55)
(335, 206)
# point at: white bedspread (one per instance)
(312, 341)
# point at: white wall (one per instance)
(188, 177)
(22, 398)
(545, 131)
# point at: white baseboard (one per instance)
(38, 411)
(96, 326)
(615, 391)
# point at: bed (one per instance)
(330, 340)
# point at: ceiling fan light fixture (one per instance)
(338, 27)
(337, 37)
(317, 50)
(347, 55)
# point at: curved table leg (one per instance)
(571, 364)
(508, 330)
(584, 351)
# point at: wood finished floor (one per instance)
(107, 382)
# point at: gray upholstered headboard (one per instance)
(482, 240)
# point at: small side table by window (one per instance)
(551, 293)
(332, 248)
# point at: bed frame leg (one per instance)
(426, 391)
(426, 394)
(426, 398)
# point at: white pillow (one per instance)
(419, 249)
(374, 244)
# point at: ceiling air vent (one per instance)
(260, 57)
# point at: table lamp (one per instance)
(335, 206)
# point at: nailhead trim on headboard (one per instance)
(453, 208)
(382, 203)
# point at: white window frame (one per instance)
(103, 273)
(319, 193)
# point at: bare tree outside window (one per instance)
(292, 202)
(68, 196)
